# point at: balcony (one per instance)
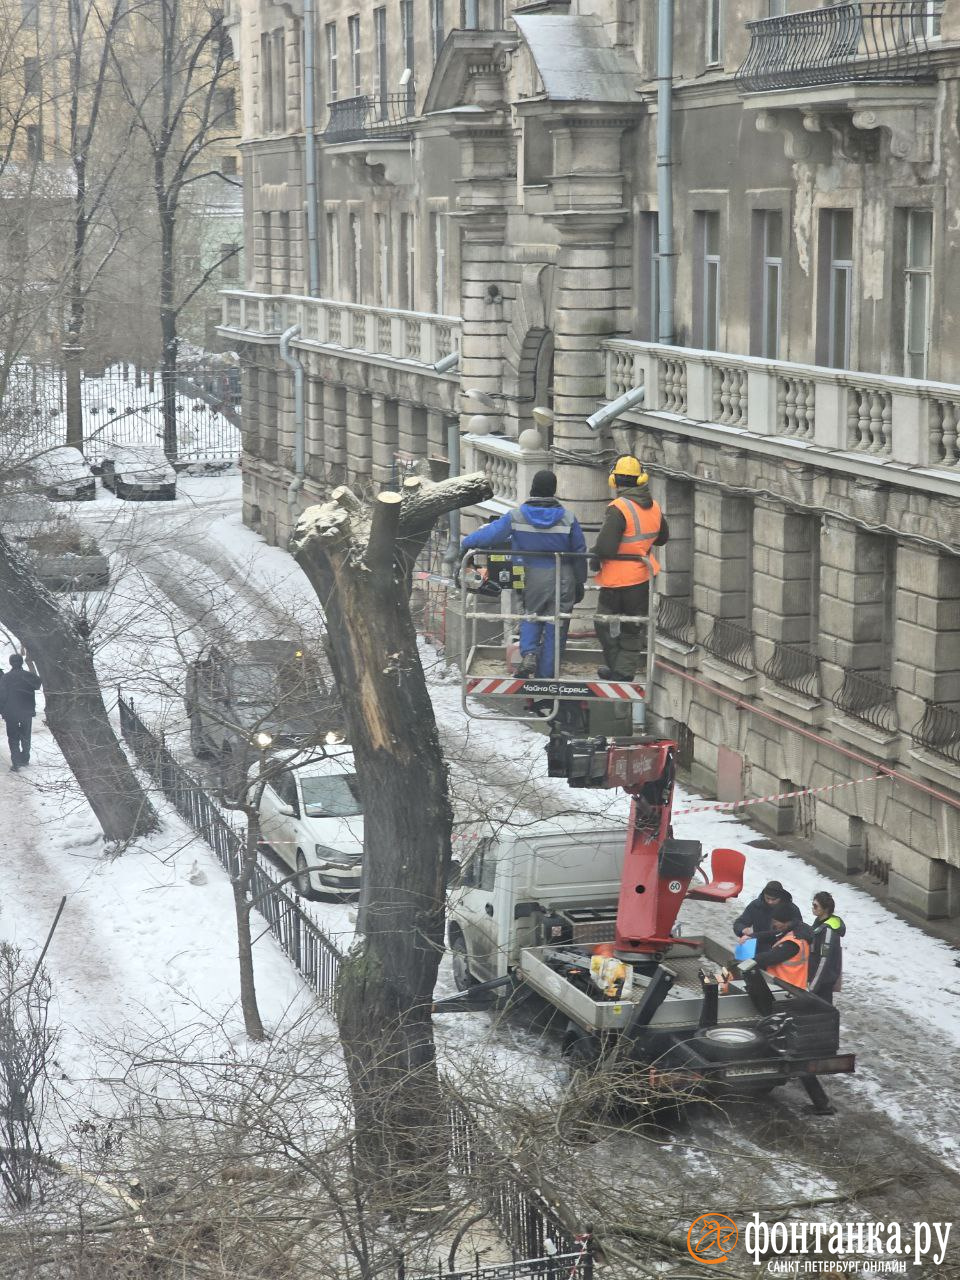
(794, 668)
(676, 619)
(863, 43)
(876, 428)
(732, 642)
(378, 334)
(509, 468)
(938, 731)
(386, 116)
(869, 700)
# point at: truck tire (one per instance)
(727, 1044)
(462, 977)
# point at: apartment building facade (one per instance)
(483, 179)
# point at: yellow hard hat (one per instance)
(628, 466)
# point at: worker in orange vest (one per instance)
(788, 956)
(634, 525)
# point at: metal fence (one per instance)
(300, 937)
(386, 115)
(938, 730)
(868, 699)
(558, 1266)
(675, 619)
(732, 642)
(842, 43)
(123, 407)
(794, 667)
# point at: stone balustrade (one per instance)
(376, 331)
(897, 420)
(509, 467)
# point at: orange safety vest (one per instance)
(642, 528)
(793, 971)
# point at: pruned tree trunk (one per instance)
(359, 562)
(75, 712)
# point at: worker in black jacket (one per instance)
(787, 954)
(18, 706)
(756, 920)
(826, 951)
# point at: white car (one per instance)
(311, 816)
(138, 471)
(63, 473)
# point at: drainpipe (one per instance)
(299, 450)
(452, 555)
(310, 149)
(665, 253)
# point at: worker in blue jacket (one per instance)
(541, 523)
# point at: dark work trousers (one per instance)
(622, 652)
(18, 736)
(825, 994)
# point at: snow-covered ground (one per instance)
(142, 945)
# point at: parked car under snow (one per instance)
(62, 474)
(62, 555)
(138, 471)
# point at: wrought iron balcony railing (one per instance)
(388, 115)
(864, 41)
(732, 642)
(868, 699)
(796, 668)
(675, 619)
(938, 730)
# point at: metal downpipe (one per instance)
(289, 358)
(665, 250)
(310, 151)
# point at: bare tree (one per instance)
(359, 561)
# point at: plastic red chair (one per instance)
(726, 872)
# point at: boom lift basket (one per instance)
(489, 648)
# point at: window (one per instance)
(31, 76)
(283, 235)
(267, 224)
(333, 254)
(406, 264)
(438, 242)
(266, 85)
(770, 248)
(436, 14)
(380, 61)
(356, 258)
(776, 8)
(30, 10)
(230, 262)
(407, 30)
(381, 282)
(648, 282)
(225, 108)
(714, 32)
(279, 81)
(353, 29)
(470, 14)
(835, 288)
(709, 279)
(228, 166)
(332, 85)
(34, 143)
(919, 262)
(926, 22)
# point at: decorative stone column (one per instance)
(359, 440)
(334, 432)
(383, 419)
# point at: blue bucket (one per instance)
(745, 950)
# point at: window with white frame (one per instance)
(714, 32)
(278, 43)
(333, 88)
(436, 23)
(333, 253)
(648, 283)
(407, 35)
(470, 14)
(353, 29)
(381, 279)
(356, 258)
(771, 285)
(709, 264)
(837, 239)
(917, 292)
(438, 242)
(927, 20)
(380, 88)
(406, 252)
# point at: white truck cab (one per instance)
(511, 883)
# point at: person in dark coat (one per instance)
(757, 920)
(826, 951)
(541, 523)
(786, 955)
(18, 706)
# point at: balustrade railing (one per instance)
(675, 619)
(794, 667)
(938, 730)
(401, 335)
(874, 42)
(385, 115)
(732, 642)
(890, 419)
(869, 699)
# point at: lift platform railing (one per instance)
(486, 668)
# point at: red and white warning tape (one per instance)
(781, 795)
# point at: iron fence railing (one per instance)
(794, 667)
(938, 730)
(300, 937)
(869, 699)
(558, 1266)
(732, 642)
(841, 43)
(675, 619)
(386, 115)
